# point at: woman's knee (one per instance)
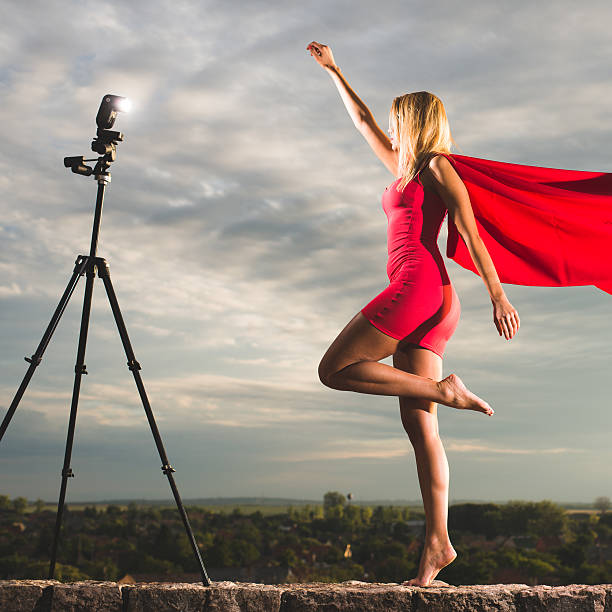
(358, 341)
(324, 373)
(328, 367)
(332, 377)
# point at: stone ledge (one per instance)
(353, 595)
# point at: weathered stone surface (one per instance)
(24, 595)
(86, 595)
(570, 597)
(183, 596)
(352, 595)
(237, 596)
(476, 598)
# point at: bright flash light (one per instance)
(124, 105)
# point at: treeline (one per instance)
(530, 542)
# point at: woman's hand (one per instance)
(505, 317)
(322, 53)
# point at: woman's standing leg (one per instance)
(420, 420)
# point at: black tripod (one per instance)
(105, 143)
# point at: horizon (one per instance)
(283, 500)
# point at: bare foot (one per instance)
(432, 561)
(457, 395)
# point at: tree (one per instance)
(333, 499)
(548, 519)
(352, 515)
(20, 504)
(164, 543)
(366, 514)
(536, 568)
(243, 552)
(393, 569)
(113, 510)
(220, 554)
(289, 558)
(90, 512)
(69, 573)
(602, 503)
(476, 518)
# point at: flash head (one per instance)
(109, 107)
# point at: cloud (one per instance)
(476, 446)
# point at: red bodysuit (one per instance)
(420, 304)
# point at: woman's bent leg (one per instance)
(351, 364)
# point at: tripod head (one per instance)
(106, 140)
(105, 144)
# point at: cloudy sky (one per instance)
(244, 229)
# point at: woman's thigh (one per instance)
(419, 416)
(358, 341)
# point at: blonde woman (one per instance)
(414, 317)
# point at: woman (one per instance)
(413, 318)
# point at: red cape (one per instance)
(542, 226)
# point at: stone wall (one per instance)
(92, 595)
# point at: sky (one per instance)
(243, 228)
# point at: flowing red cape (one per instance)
(542, 226)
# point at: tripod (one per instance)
(105, 143)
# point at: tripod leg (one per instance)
(80, 265)
(79, 370)
(134, 366)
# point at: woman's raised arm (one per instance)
(359, 113)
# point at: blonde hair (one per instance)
(422, 129)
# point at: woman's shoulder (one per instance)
(439, 157)
(435, 168)
(441, 163)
